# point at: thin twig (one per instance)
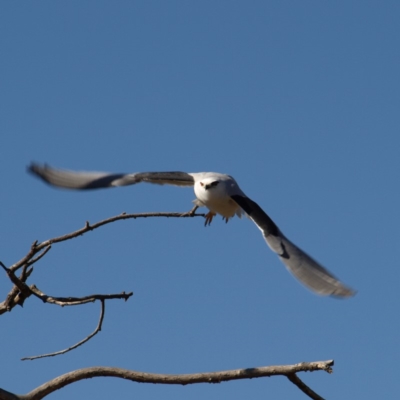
(76, 301)
(98, 329)
(35, 248)
(26, 291)
(303, 387)
(39, 256)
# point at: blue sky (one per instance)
(299, 101)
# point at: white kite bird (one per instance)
(221, 195)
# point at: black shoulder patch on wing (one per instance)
(257, 214)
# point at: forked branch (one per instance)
(186, 379)
(37, 247)
(21, 290)
(98, 329)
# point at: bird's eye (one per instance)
(201, 184)
(215, 183)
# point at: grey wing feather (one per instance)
(96, 180)
(301, 265)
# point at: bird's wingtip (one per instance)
(344, 293)
(32, 167)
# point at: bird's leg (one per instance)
(190, 213)
(209, 217)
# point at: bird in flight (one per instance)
(221, 195)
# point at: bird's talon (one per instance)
(209, 217)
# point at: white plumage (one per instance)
(221, 195)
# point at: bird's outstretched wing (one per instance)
(301, 265)
(96, 180)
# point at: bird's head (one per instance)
(209, 183)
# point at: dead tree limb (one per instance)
(98, 329)
(185, 379)
(36, 248)
(303, 387)
(21, 290)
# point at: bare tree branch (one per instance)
(21, 291)
(303, 387)
(35, 248)
(76, 301)
(185, 379)
(98, 329)
(15, 297)
(46, 249)
(4, 395)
